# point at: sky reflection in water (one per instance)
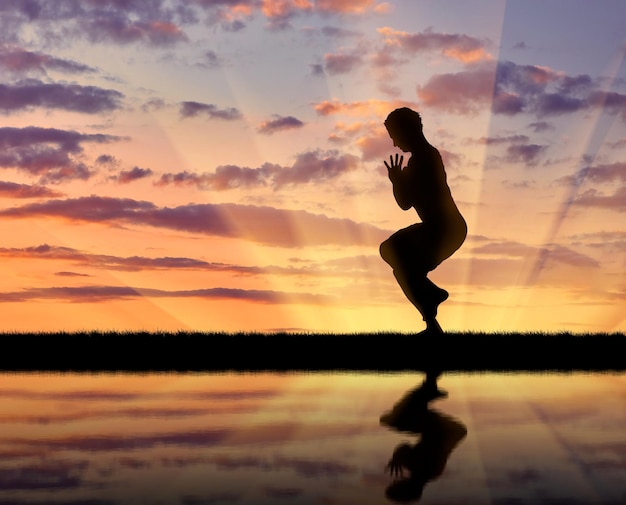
(304, 438)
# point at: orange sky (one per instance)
(218, 166)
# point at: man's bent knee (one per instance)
(386, 252)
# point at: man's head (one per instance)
(404, 126)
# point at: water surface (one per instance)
(304, 438)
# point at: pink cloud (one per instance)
(459, 47)
(463, 92)
(513, 89)
(363, 108)
(18, 60)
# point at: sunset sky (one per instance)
(217, 165)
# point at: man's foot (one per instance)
(433, 327)
(431, 302)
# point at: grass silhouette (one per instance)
(285, 352)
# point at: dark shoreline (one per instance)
(291, 352)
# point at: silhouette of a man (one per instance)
(418, 249)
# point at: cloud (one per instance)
(375, 146)
(116, 27)
(512, 89)
(607, 173)
(541, 126)
(225, 177)
(157, 22)
(14, 190)
(266, 225)
(94, 443)
(96, 294)
(554, 253)
(528, 154)
(309, 167)
(335, 31)
(47, 152)
(120, 22)
(459, 47)
(134, 174)
(280, 12)
(153, 104)
(341, 63)
(210, 59)
(31, 93)
(70, 274)
(364, 108)
(463, 92)
(618, 144)
(140, 263)
(497, 140)
(279, 123)
(317, 69)
(597, 173)
(194, 109)
(52, 475)
(316, 166)
(282, 493)
(596, 199)
(361, 265)
(19, 60)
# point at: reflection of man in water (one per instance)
(414, 251)
(426, 460)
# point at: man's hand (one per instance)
(394, 167)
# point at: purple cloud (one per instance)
(32, 93)
(279, 123)
(96, 294)
(193, 109)
(541, 126)
(529, 154)
(594, 198)
(554, 253)
(607, 173)
(134, 174)
(47, 152)
(18, 60)
(341, 63)
(267, 225)
(70, 274)
(316, 166)
(310, 166)
(115, 26)
(127, 21)
(14, 190)
(497, 140)
(50, 476)
(133, 263)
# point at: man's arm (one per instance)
(398, 179)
